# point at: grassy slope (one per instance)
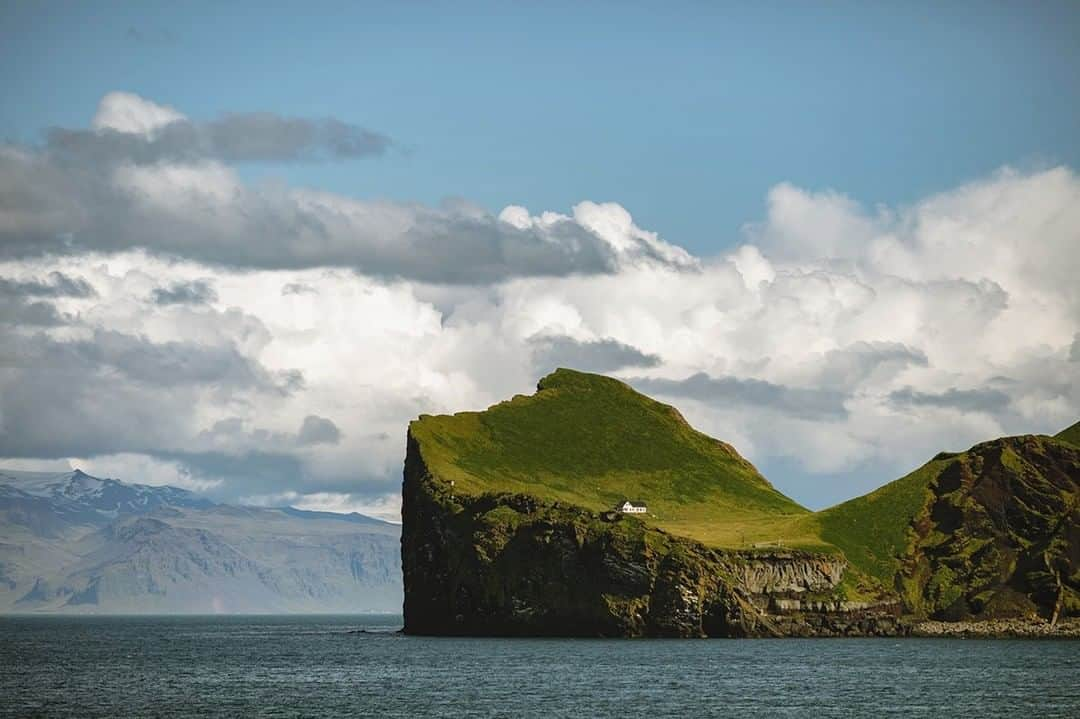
(591, 441)
(1070, 435)
(873, 529)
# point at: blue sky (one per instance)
(685, 113)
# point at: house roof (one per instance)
(632, 503)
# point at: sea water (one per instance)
(360, 666)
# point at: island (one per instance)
(514, 525)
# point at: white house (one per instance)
(628, 507)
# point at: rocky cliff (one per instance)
(508, 530)
(998, 535)
(989, 533)
(512, 565)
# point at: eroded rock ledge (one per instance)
(511, 565)
(999, 629)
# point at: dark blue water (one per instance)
(316, 666)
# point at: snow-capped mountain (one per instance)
(108, 496)
(71, 542)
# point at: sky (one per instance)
(241, 246)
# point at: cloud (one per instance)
(235, 138)
(20, 306)
(143, 469)
(262, 477)
(131, 129)
(160, 364)
(145, 177)
(964, 400)
(128, 113)
(606, 355)
(800, 402)
(57, 285)
(318, 430)
(232, 436)
(15, 311)
(114, 392)
(386, 507)
(852, 365)
(838, 348)
(1074, 350)
(297, 288)
(238, 474)
(196, 292)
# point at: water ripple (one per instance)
(359, 666)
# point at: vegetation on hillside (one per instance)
(592, 441)
(872, 530)
(990, 530)
(1070, 435)
(894, 524)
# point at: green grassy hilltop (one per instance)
(592, 441)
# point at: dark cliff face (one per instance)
(510, 565)
(999, 535)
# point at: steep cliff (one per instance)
(510, 564)
(999, 535)
(508, 529)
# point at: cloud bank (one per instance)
(146, 177)
(163, 321)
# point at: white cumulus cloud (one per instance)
(273, 343)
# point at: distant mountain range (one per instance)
(70, 542)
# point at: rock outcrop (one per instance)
(999, 629)
(777, 572)
(511, 565)
(999, 535)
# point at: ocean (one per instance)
(359, 666)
